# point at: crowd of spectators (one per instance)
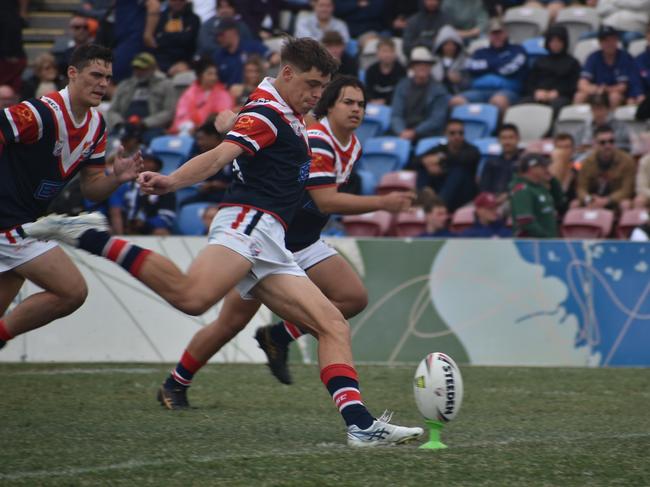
(178, 63)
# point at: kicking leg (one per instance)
(10, 284)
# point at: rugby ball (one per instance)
(438, 387)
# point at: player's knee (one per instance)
(73, 298)
(355, 303)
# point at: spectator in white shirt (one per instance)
(320, 21)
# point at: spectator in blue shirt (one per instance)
(233, 52)
(207, 41)
(643, 63)
(610, 70)
(498, 71)
(487, 221)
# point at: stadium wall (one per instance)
(485, 302)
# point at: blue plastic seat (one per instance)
(375, 122)
(480, 119)
(428, 143)
(534, 48)
(189, 220)
(384, 154)
(173, 150)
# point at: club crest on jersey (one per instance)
(297, 128)
(244, 122)
(58, 148)
(87, 150)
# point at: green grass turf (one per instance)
(100, 425)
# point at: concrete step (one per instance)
(33, 49)
(58, 5)
(41, 35)
(48, 20)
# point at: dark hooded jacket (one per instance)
(422, 28)
(555, 71)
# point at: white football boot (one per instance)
(381, 433)
(64, 228)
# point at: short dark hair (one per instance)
(508, 126)
(453, 121)
(386, 41)
(83, 55)
(332, 92)
(603, 129)
(306, 53)
(332, 38)
(202, 65)
(564, 136)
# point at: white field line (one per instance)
(87, 371)
(319, 449)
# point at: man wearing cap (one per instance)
(147, 98)
(487, 221)
(419, 107)
(233, 52)
(498, 71)
(610, 70)
(533, 206)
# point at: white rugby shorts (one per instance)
(315, 253)
(16, 250)
(256, 236)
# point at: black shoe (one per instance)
(2, 344)
(173, 397)
(276, 354)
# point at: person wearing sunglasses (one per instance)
(606, 179)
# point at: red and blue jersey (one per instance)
(271, 173)
(331, 165)
(42, 147)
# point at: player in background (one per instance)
(246, 239)
(44, 143)
(335, 150)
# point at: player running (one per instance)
(246, 239)
(44, 143)
(335, 150)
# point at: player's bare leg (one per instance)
(10, 284)
(64, 291)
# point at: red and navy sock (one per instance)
(283, 332)
(184, 371)
(342, 382)
(120, 251)
(5, 336)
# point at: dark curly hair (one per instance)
(332, 92)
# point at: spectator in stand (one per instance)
(609, 70)
(12, 55)
(8, 97)
(422, 27)
(136, 213)
(533, 207)
(233, 52)
(450, 168)
(487, 221)
(131, 32)
(601, 114)
(396, 15)
(79, 36)
(147, 98)
(204, 97)
(643, 63)
(333, 42)
(175, 35)
(362, 16)
(320, 21)
(553, 78)
(254, 72)
(212, 189)
(450, 60)
(642, 183)
(207, 40)
(468, 17)
(437, 215)
(46, 77)
(562, 166)
(630, 13)
(606, 178)
(382, 77)
(498, 71)
(499, 170)
(419, 106)
(261, 16)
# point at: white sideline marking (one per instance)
(88, 371)
(317, 450)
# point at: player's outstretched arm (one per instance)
(195, 170)
(96, 185)
(329, 200)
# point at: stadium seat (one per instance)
(173, 150)
(384, 154)
(525, 22)
(368, 181)
(428, 143)
(578, 21)
(480, 119)
(375, 123)
(584, 48)
(637, 47)
(462, 219)
(534, 49)
(397, 181)
(188, 221)
(373, 224)
(399, 49)
(274, 44)
(352, 48)
(573, 118)
(410, 223)
(368, 54)
(630, 219)
(635, 128)
(587, 223)
(532, 119)
(488, 146)
(477, 44)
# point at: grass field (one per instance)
(100, 425)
